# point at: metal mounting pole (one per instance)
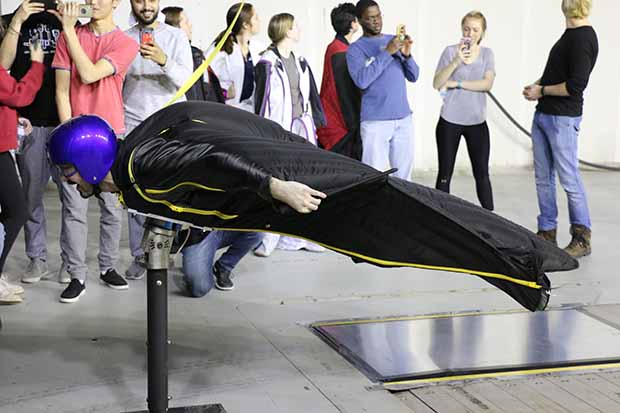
(157, 241)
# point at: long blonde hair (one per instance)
(577, 9)
(279, 26)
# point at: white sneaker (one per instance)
(37, 269)
(7, 297)
(11, 288)
(261, 251)
(63, 275)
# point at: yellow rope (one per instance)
(205, 65)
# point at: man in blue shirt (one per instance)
(380, 65)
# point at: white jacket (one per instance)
(272, 97)
(230, 70)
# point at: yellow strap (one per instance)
(170, 205)
(205, 65)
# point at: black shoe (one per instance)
(222, 279)
(73, 292)
(113, 280)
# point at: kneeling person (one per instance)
(199, 271)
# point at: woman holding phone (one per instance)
(13, 94)
(466, 71)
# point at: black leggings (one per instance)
(478, 146)
(12, 202)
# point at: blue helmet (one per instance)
(88, 143)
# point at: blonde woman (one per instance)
(234, 65)
(287, 94)
(466, 71)
(555, 130)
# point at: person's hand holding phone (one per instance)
(36, 52)
(68, 13)
(394, 45)
(405, 40)
(463, 54)
(152, 51)
(26, 9)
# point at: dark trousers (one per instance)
(12, 202)
(478, 146)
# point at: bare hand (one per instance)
(532, 92)
(36, 52)
(26, 9)
(25, 123)
(230, 93)
(153, 52)
(68, 14)
(407, 46)
(298, 196)
(463, 54)
(394, 45)
(451, 84)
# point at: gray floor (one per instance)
(249, 349)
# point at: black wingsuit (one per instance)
(210, 164)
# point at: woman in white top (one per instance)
(287, 94)
(234, 65)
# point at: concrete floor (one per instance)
(249, 348)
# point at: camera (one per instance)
(86, 10)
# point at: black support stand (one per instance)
(157, 242)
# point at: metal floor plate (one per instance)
(443, 346)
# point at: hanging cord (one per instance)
(525, 131)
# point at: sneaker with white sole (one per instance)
(63, 275)
(137, 269)
(113, 280)
(222, 279)
(10, 287)
(8, 298)
(73, 292)
(37, 270)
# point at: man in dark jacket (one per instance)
(340, 97)
(219, 167)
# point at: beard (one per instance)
(144, 21)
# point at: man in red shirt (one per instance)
(339, 95)
(91, 61)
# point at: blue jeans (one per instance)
(389, 144)
(198, 258)
(555, 140)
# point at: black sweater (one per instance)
(571, 60)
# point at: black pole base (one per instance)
(205, 408)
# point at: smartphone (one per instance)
(86, 10)
(400, 32)
(466, 42)
(49, 4)
(147, 36)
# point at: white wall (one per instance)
(521, 33)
